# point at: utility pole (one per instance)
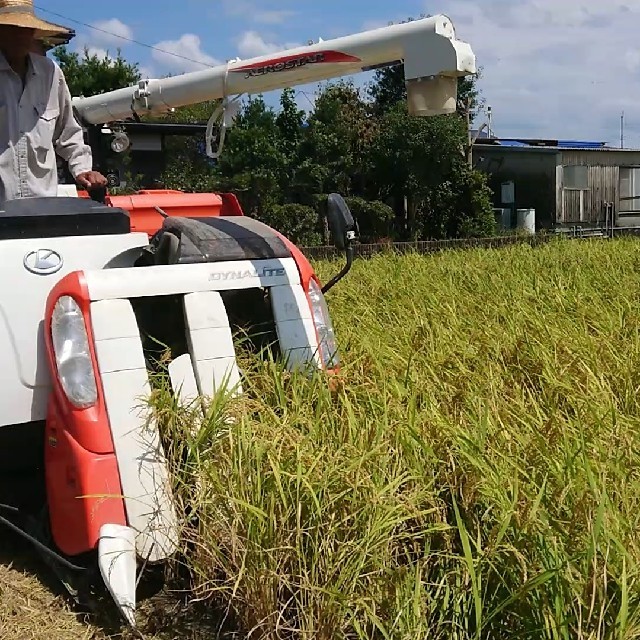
(467, 115)
(622, 130)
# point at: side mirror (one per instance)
(341, 223)
(343, 232)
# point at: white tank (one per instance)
(526, 220)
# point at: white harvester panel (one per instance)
(141, 462)
(183, 379)
(138, 282)
(294, 325)
(24, 372)
(211, 343)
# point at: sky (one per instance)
(560, 69)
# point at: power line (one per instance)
(117, 35)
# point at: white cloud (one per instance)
(251, 44)
(557, 69)
(256, 12)
(147, 71)
(272, 17)
(370, 25)
(111, 31)
(184, 54)
(632, 60)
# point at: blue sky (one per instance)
(551, 68)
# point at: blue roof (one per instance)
(582, 144)
(512, 143)
(535, 142)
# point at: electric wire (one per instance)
(117, 35)
(143, 44)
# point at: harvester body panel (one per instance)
(31, 267)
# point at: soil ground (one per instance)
(34, 606)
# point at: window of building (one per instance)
(575, 177)
(629, 188)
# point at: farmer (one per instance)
(36, 118)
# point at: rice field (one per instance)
(473, 472)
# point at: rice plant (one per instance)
(474, 473)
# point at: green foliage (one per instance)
(422, 159)
(188, 168)
(298, 222)
(254, 160)
(374, 218)
(289, 122)
(88, 75)
(198, 113)
(458, 207)
(337, 139)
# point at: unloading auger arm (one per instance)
(433, 61)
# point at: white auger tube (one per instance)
(433, 60)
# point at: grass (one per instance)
(476, 474)
(473, 473)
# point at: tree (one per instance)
(253, 161)
(336, 142)
(459, 206)
(421, 159)
(290, 122)
(90, 75)
(188, 167)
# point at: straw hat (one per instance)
(20, 13)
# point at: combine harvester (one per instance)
(86, 280)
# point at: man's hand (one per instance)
(91, 179)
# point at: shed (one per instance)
(567, 182)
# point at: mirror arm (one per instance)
(351, 235)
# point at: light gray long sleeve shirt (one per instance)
(36, 124)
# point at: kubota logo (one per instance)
(43, 262)
(241, 274)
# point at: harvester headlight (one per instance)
(324, 327)
(73, 357)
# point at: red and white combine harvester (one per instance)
(89, 286)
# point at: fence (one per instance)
(426, 246)
(434, 246)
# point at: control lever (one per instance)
(98, 194)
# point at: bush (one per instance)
(298, 222)
(458, 207)
(374, 218)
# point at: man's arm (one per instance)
(69, 140)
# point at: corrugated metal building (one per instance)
(567, 182)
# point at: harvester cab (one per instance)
(91, 286)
